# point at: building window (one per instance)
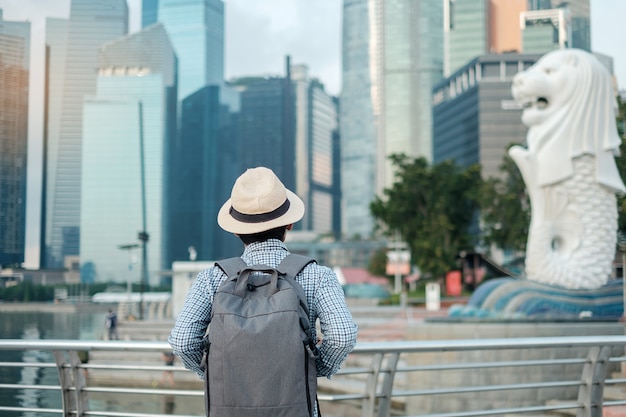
(491, 70)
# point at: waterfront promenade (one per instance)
(440, 350)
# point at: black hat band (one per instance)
(260, 218)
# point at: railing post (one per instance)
(591, 391)
(369, 403)
(384, 405)
(72, 383)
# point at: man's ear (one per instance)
(290, 226)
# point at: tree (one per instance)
(377, 264)
(505, 208)
(432, 207)
(621, 165)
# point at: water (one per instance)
(40, 325)
(83, 326)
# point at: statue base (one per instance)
(513, 298)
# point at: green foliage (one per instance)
(27, 291)
(505, 208)
(377, 264)
(432, 207)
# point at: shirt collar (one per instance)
(256, 252)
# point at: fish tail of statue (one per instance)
(572, 236)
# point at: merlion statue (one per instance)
(569, 168)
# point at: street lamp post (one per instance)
(143, 234)
(398, 263)
(131, 261)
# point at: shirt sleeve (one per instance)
(336, 324)
(186, 338)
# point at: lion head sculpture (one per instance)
(569, 107)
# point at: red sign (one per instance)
(453, 283)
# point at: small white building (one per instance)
(183, 275)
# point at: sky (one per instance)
(258, 35)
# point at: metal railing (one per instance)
(446, 378)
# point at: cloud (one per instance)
(258, 38)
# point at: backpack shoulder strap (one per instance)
(293, 264)
(231, 266)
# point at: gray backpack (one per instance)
(260, 357)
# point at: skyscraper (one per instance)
(478, 27)
(579, 19)
(56, 50)
(14, 73)
(267, 125)
(204, 168)
(91, 24)
(149, 12)
(475, 117)
(127, 130)
(316, 125)
(196, 28)
(465, 31)
(359, 114)
(545, 30)
(392, 57)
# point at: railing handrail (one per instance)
(413, 346)
(380, 388)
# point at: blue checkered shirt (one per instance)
(324, 296)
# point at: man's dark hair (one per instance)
(276, 233)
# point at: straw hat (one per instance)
(258, 202)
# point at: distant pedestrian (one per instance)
(110, 323)
(168, 376)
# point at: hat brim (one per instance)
(230, 224)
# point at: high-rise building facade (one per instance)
(475, 118)
(392, 57)
(545, 30)
(359, 114)
(579, 19)
(128, 126)
(196, 28)
(465, 31)
(57, 31)
(317, 126)
(504, 28)
(14, 74)
(478, 27)
(91, 24)
(149, 12)
(267, 125)
(204, 168)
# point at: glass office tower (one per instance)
(475, 118)
(204, 169)
(14, 73)
(392, 57)
(196, 28)
(579, 19)
(90, 25)
(267, 125)
(57, 31)
(465, 30)
(128, 126)
(316, 116)
(149, 12)
(478, 27)
(545, 30)
(359, 114)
